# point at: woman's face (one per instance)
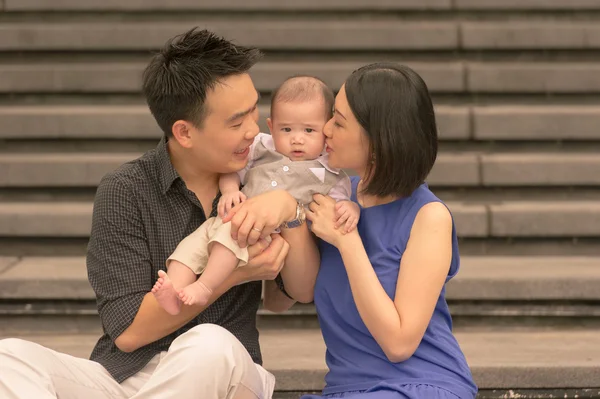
(347, 143)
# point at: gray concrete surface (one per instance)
(73, 219)
(530, 359)
(86, 169)
(230, 5)
(83, 122)
(484, 278)
(295, 34)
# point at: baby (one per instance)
(290, 158)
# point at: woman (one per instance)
(380, 291)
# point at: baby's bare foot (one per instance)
(165, 294)
(195, 293)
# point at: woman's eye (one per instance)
(337, 124)
(236, 126)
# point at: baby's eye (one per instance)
(286, 129)
(309, 130)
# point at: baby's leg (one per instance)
(221, 263)
(168, 284)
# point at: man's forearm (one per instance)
(301, 265)
(152, 323)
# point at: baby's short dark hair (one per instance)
(304, 88)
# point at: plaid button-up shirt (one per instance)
(141, 212)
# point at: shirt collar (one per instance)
(324, 160)
(166, 171)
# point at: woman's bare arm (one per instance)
(399, 325)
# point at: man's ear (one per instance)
(270, 125)
(182, 133)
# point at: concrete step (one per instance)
(500, 361)
(375, 34)
(520, 5)
(83, 122)
(452, 169)
(536, 122)
(457, 76)
(480, 123)
(533, 77)
(530, 35)
(126, 77)
(297, 34)
(531, 219)
(498, 292)
(73, 219)
(86, 170)
(308, 5)
(486, 278)
(514, 122)
(229, 6)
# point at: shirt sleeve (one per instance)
(252, 155)
(118, 257)
(342, 190)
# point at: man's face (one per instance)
(221, 144)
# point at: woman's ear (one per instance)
(182, 133)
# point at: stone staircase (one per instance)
(517, 91)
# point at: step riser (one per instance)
(476, 317)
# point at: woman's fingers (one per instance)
(318, 198)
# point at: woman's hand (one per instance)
(259, 216)
(323, 216)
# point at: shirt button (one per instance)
(286, 168)
(274, 183)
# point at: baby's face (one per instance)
(297, 129)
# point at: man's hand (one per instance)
(228, 200)
(259, 216)
(265, 260)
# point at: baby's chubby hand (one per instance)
(228, 200)
(348, 213)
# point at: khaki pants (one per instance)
(194, 250)
(204, 363)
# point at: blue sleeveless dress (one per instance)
(358, 368)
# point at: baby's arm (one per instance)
(346, 211)
(231, 195)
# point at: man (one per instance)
(202, 97)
